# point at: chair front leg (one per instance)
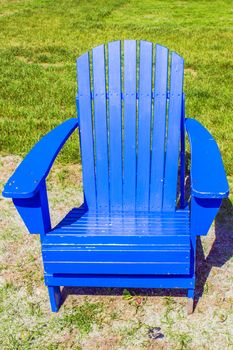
(54, 297)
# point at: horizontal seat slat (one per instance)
(130, 267)
(113, 255)
(131, 213)
(74, 239)
(116, 247)
(125, 281)
(125, 223)
(85, 219)
(124, 229)
(119, 232)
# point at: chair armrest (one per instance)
(31, 173)
(208, 178)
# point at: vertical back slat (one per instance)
(115, 127)
(100, 121)
(159, 129)
(86, 134)
(144, 125)
(173, 134)
(129, 171)
(182, 155)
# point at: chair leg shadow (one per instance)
(221, 250)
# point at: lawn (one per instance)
(39, 43)
(40, 40)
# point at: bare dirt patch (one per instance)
(191, 71)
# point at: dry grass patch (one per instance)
(108, 318)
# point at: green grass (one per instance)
(40, 40)
(83, 317)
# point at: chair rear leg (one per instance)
(190, 304)
(55, 298)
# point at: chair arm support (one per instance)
(208, 178)
(34, 211)
(202, 214)
(31, 173)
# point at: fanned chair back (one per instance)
(130, 116)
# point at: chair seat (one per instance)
(119, 243)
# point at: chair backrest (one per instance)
(130, 125)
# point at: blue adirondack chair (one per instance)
(135, 228)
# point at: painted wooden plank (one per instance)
(127, 233)
(144, 126)
(129, 230)
(119, 221)
(113, 255)
(182, 155)
(82, 211)
(89, 220)
(84, 214)
(134, 281)
(124, 231)
(108, 230)
(159, 129)
(133, 268)
(125, 222)
(173, 132)
(100, 121)
(86, 132)
(68, 239)
(115, 125)
(74, 220)
(134, 224)
(75, 248)
(129, 167)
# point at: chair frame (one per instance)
(27, 188)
